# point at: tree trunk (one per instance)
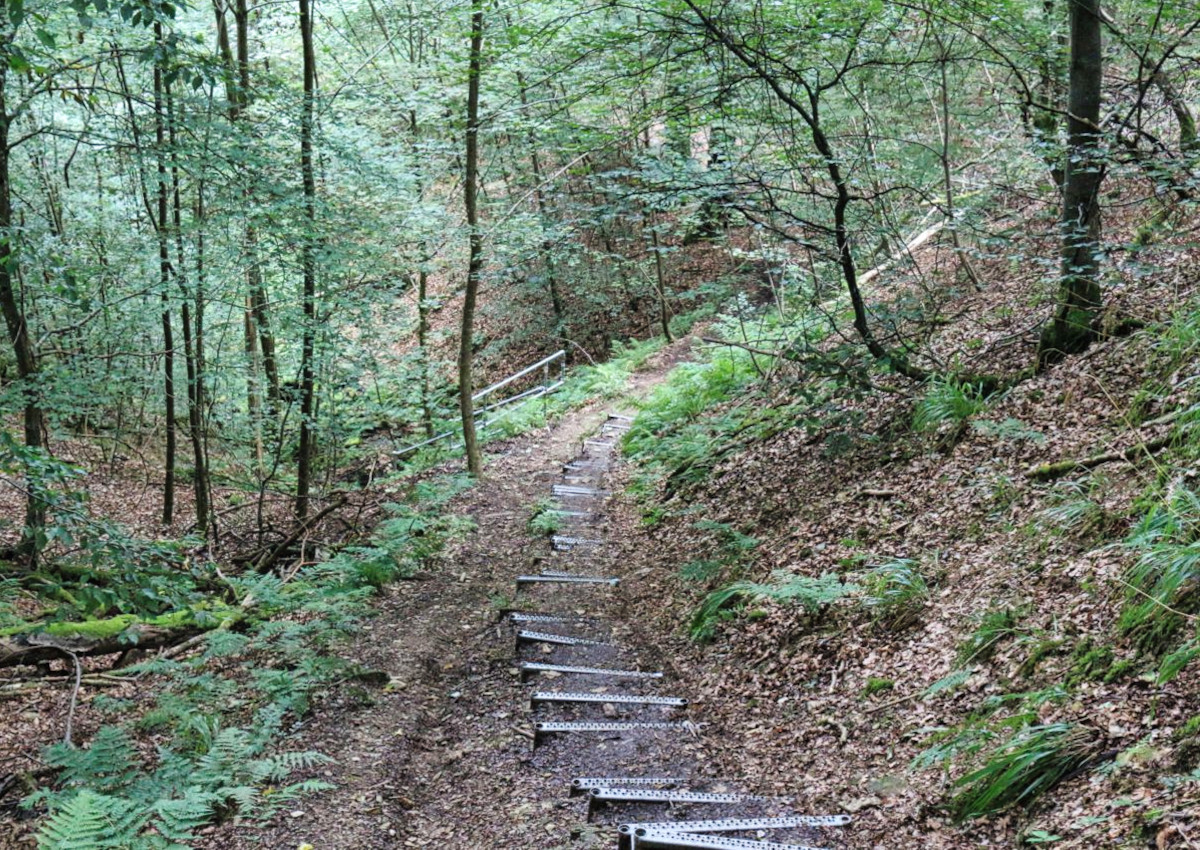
(475, 260)
(1073, 326)
(164, 273)
(19, 337)
(660, 276)
(205, 520)
(191, 356)
(308, 262)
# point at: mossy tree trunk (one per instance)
(475, 260)
(1073, 326)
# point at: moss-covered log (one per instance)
(46, 641)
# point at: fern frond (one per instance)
(91, 821)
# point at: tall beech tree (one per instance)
(475, 243)
(1079, 297)
(308, 265)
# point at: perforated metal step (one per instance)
(541, 730)
(577, 490)
(526, 636)
(615, 699)
(613, 582)
(587, 783)
(710, 842)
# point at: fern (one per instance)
(952, 682)
(947, 401)
(107, 764)
(90, 821)
(177, 819)
(812, 594)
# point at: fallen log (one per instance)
(1057, 469)
(46, 641)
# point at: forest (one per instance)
(836, 362)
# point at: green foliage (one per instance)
(895, 593)
(217, 717)
(947, 402)
(992, 628)
(732, 551)
(545, 519)
(91, 821)
(1023, 768)
(1164, 582)
(1174, 662)
(1076, 512)
(811, 594)
(950, 682)
(1008, 429)
(877, 685)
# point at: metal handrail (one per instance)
(547, 386)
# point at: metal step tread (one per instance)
(711, 842)
(736, 824)
(617, 726)
(563, 640)
(589, 782)
(616, 699)
(639, 795)
(577, 490)
(568, 580)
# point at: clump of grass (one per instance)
(1039, 652)
(896, 592)
(1164, 582)
(994, 627)
(812, 594)
(1028, 765)
(1076, 513)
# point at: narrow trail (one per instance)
(478, 742)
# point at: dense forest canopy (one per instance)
(249, 250)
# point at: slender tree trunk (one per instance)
(164, 275)
(19, 337)
(475, 260)
(191, 357)
(423, 343)
(660, 276)
(308, 262)
(200, 423)
(1079, 297)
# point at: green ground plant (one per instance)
(1023, 768)
(1164, 581)
(895, 593)
(219, 715)
(992, 628)
(811, 594)
(545, 518)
